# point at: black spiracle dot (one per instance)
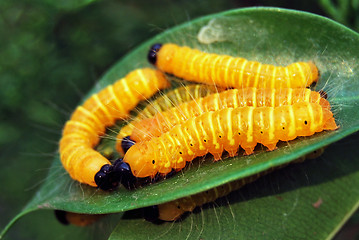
(283, 128)
(204, 140)
(180, 152)
(220, 136)
(191, 144)
(261, 132)
(239, 133)
(153, 161)
(305, 122)
(178, 206)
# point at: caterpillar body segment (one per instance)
(89, 121)
(226, 129)
(171, 99)
(77, 219)
(176, 97)
(172, 211)
(164, 121)
(226, 71)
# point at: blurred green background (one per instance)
(52, 53)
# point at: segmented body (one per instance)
(77, 219)
(226, 129)
(88, 122)
(164, 121)
(226, 71)
(170, 99)
(173, 210)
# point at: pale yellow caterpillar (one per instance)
(226, 71)
(164, 121)
(168, 100)
(89, 121)
(226, 129)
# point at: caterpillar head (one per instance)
(126, 143)
(105, 179)
(77, 219)
(151, 214)
(170, 211)
(152, 54)
(110, 176)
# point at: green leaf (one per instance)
(310, 200)
(268, 35)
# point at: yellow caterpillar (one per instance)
(226, 129)
(226, 71)
(89, 121)
(164, 121)
(77, 219)
(171, 99)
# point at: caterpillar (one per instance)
(171, 99)
(89, 121)
(173, 210)
(226, 71)
(226, 129)
(77, 219)
(163, 121)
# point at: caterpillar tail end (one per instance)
(152, 54)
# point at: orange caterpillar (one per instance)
(171, 211)
(164, 121)
(170, 99)
(88, 122)
(226, 129)
(226, 71)
(77, 219)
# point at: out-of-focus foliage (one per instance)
(343, 11)
(52, 52)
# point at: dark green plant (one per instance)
(343, 11)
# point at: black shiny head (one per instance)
(151, 214)
(152, 54)
(124, 174)
(61, 217)
(105, 179)
(110, 176)
(126, 143)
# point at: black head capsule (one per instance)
(124, 174)
(152, 54)
(61, 217)
(105, 178)
(151, 214)
(126, 143)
